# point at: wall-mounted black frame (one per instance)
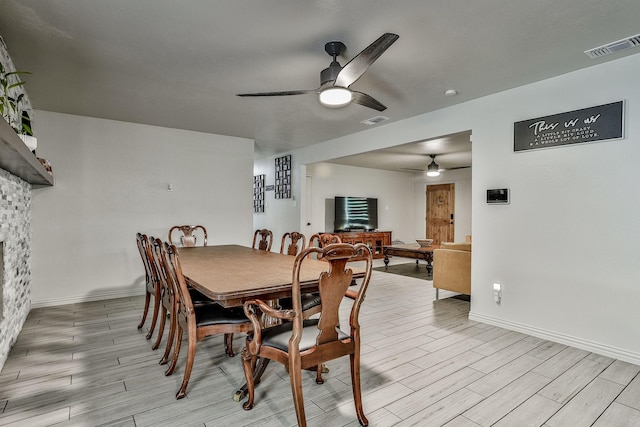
(498, 196)
(283, 177)
(258, 193)
(599, 123)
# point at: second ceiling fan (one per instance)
(335, 80)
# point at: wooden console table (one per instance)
(376, 240)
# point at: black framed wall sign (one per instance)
(283, 177)
(258, 193)
(599, 123)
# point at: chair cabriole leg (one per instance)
(163, 320)
(354, 360)
(170, 339)
(147, 297)
(176, 351)
(191, 355)
(228, 345)
(154, 321)
(248, 366)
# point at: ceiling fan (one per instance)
(434, 169)
(335, 80)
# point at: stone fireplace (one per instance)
(15, 235)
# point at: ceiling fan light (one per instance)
(335, 97)
(433, 169)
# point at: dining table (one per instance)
(233, 274)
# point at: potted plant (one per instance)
(12, 108)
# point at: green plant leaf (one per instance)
(16, 85)
(15, 73)
(27, 129)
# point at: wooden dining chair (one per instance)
(265, 242)
(300, 344)
(292, 243)
(152, 287)
(168, 300)
(311, 300)
(320, 240)
(188, 238)
(198, 321)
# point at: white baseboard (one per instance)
(605, 350)
(123, 293)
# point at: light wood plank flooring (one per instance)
(423, 363)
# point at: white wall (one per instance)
(111, 182)
(565, 248)
(394, 191)
(280, 215)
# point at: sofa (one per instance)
(452, 268)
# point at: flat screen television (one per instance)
(355, 213)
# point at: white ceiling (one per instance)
(180, 64)
(451, 151)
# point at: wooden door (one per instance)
(440, 211)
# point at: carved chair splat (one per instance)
(190, 234)
(297, 242)
(265, 242)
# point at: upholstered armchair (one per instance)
(452, 268)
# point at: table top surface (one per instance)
(232, 274)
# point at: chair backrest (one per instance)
(175, 279)
(266, 239)
(168, 292)
(188, 238)
(333, 285)
(143, 247)
(294, 238)
(321, 240)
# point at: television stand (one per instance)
(376, 240)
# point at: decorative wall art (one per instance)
(283, 177)
(258, 193)
(598, 123)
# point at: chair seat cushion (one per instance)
(308, 301)
(198, 297)
(278, 336)
(215, 314)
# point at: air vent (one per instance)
(614, 47)
(374, 120)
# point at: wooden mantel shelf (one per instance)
(16, 158)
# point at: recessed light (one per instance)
(374, 120)
(450, 92)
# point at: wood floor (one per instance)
(423, 363)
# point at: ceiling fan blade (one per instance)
(283, 93)
(367, 101)
(362, 61)
(457, 167)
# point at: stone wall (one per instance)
(15, 232)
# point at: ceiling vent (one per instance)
(374, 120)
(614, 47)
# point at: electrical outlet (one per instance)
(497, 292)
